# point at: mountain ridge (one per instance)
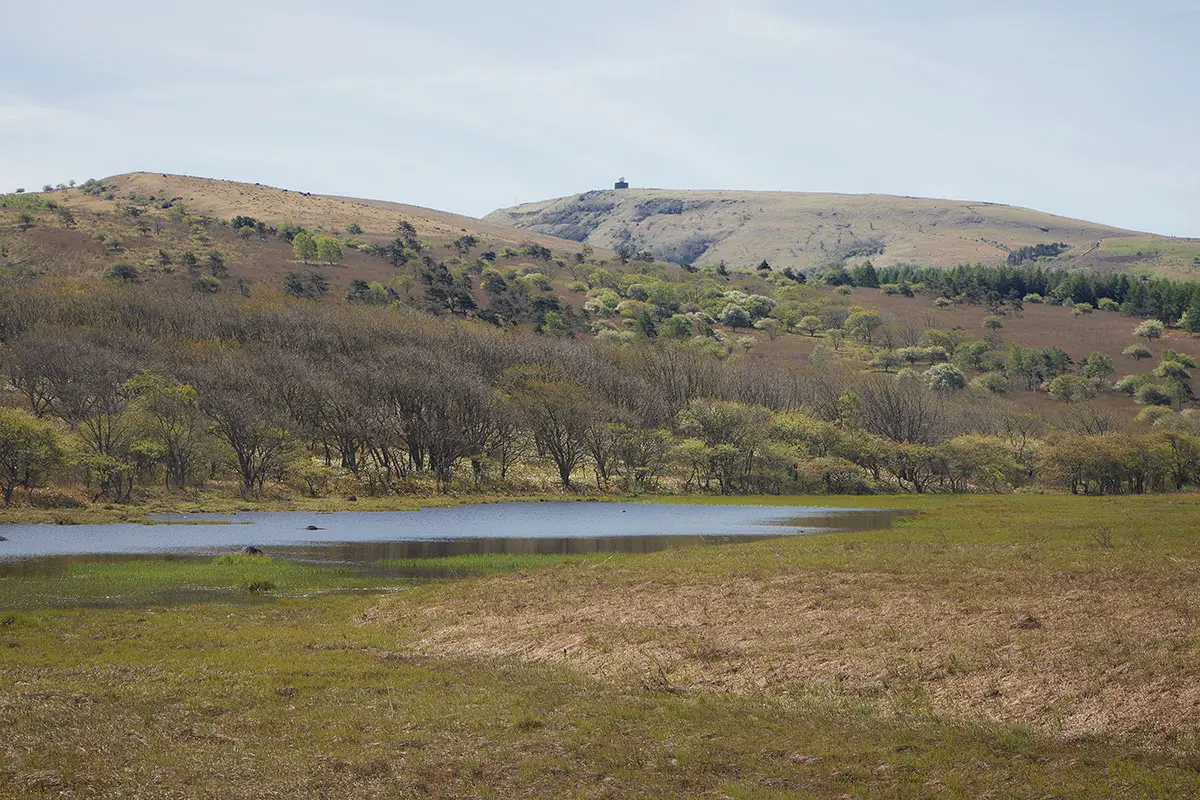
(809, 230)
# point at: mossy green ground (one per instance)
(311, 693)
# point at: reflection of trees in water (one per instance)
(371, 552)
(857, 520)
(367, 554)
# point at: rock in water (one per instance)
(313, 528)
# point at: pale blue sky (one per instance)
(1089, 110)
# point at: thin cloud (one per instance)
(466, 106)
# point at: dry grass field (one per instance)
(1076, 632)
(804, 230)
(227, 199)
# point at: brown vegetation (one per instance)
(995, 623)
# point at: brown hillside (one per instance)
(806, 230)
(226, 199)
(141, 219)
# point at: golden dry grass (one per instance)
(227, 199)
(1033, 623)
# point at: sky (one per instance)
(1088, 110)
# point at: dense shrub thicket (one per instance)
(118, 388)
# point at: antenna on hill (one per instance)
(621, 183)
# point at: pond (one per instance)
(365, 538)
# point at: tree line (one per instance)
(1166, 299)
(115, 390)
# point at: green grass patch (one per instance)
(1180, 253)
(23, 202)
(124, 582)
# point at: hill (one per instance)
(227, 199)
(808, 230)
(157, 223)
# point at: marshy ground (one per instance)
(1006, 646)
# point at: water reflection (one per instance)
(363, 538)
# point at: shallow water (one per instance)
(364, 538)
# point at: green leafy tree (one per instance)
(945, 378)
(768, 326)
(865, 275)
(676, 327)
(1174, 378)
(1072, 389)
(329, 250)
(1097, 366)
(1154, 395)
(886, 361)
(171, 418)
(1191, 318)
(29, 450)
(555, 325)
(990, 382)
(304, 246)
(645, 324)
(1150, 330)
(735, 316)
(863, 324)
(288, 230)
(1137, 352)
(1179, 358)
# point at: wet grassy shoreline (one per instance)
(1019, 646)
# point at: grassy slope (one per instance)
(804, 230)
(227, 199)
(52, 247)
(345, 695)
